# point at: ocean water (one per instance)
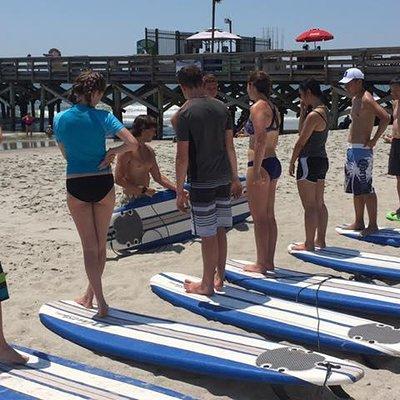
(132, 111)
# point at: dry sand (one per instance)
(41, 252)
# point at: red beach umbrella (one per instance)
(314, 35)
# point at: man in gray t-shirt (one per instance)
(206, 154)
(203, 122)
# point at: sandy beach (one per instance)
(40, 250)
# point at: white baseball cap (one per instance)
(350, 74)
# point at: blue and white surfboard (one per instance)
(46, 377)
(377, 266)
(323, 290)
(151, 222)
(384, 236)
(287, 320)
(195, 349)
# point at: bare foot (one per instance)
(369, 229)
(218, 281)
(321, 244)
(302, 247)
(353, 227)
(198, 288)
(10, 356)
(102, 311)
(261, 269)
(85, 301)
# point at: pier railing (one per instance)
(379, 65)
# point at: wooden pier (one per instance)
(42, 83)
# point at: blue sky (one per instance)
(112, 27)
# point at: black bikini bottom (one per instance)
(90, 189)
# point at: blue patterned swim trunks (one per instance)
(358, 170)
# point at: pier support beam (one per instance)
(12, 107)
(335, 109)
(160, 117)
(117, 110)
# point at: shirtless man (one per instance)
(133, 169)
(358, 168)
(394, 157)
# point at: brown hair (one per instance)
(210, 78)
(86, 84)
(261, 81)
(190, 77)
(141, 123)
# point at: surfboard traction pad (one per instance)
(380, 333)
(289, 359)
(128, 228)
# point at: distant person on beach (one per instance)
(358, 168)
(312, 164)
(7, 353)
(28, 121)
(210, 86)
(49, 131)
(134, 168)
(1, 134)
(81, 133)
(206, 155)
(264, 169)
(394, 157)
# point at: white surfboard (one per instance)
(353, 261)
(318, 289)
(47, 377)
(152, 222)
(384, 236)
(194, 348)
(276, 317)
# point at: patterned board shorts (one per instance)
(358, 170)
(211, 209)
(3, 285)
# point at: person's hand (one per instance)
(182, 201)
(150, 192)
(371, 143)
(303, 108)
(236, 188)
(291, 169)
(108, 159)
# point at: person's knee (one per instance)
(90, 249)
(260, 219)
(311, 208)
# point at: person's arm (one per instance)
(303, 114)
(130, 144)
(308, 127)
(174, 120)
(157, 176)
(181, 167)
(260, 120)
(384, 119)
(230, 148)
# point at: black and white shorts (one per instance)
(312, 169)
(211, 209)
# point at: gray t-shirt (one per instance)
(203, 123)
